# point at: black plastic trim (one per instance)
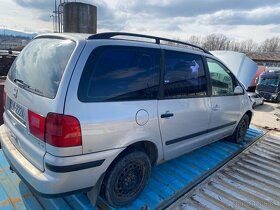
(162, 73)
(76, 167)
(109, 35)
(31, 188)
(173, 141)
(166, 115)
(208, 77)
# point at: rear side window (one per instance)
(184, 75)
(117, 73)
(40, 65)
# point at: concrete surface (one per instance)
(267, 115)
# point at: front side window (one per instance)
(118, 73)
(222, 81)
(184, 75)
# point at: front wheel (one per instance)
(278, 99)
(126, 179)
(241, 129)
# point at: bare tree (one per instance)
(271, 45)
(234, 45)
(196, 40)
(174, 43)
(222, 42)
(248, 46)
(216, 42)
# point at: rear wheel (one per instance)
(126, 179)
(241, 129)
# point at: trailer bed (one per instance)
(168, 181)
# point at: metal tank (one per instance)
(79, 18)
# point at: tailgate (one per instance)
(16, 120)
(32, 91)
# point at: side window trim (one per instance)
(161, 75)
(208, 78)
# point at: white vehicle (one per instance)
(84, 111)
(256, 99)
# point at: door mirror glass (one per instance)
(238, 90)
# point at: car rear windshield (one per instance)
(40, 65)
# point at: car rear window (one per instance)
(40, 65)
(119, 73)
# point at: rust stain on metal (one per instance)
(10, 200)
(28, 195)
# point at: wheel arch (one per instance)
(148, 147)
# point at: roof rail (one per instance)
(109, 35)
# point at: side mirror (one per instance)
(238, 90)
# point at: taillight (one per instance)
(62, 130)
(4, 99)
(36, 125)
(56, 129)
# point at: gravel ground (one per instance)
(267, 115)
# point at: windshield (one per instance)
(269, 81)
(40, 65)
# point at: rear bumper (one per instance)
(62, 175)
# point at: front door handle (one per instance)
(166, 115)
(215, 108)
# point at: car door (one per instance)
(183, 110)
(225, 105)
(117, 97)
(258, 99)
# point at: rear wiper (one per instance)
(24, 85)
(20, 82)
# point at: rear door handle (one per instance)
(167, 115)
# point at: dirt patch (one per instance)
(267, 115)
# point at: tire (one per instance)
(278, 99)
(241, 129)
(126, 179)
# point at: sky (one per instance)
(237, 19)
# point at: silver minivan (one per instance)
(86, 112)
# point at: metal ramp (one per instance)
(249, 181)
